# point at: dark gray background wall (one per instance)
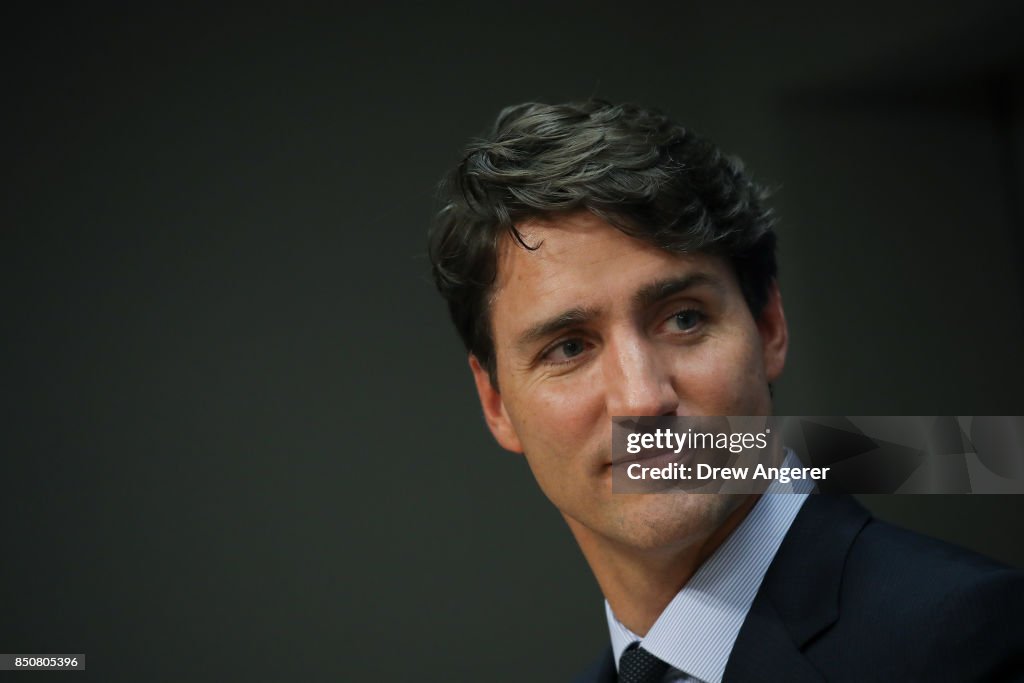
(239, 437)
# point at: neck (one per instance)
(639, 583)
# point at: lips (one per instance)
(656, 458)
(667, 456)
(660, 458)
(662, 433)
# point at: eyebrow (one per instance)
(564, 320)
(646, 296)
(657, 291)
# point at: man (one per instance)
(600, 261)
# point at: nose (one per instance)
(637, 381)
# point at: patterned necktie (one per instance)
(637, 665)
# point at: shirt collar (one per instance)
(697, 630)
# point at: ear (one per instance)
(494, 408)
(774, 334)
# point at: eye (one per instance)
(686, 320)
(564, 351)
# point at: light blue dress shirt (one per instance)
(697, 630)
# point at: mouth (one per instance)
(665, 453)
(659, 458)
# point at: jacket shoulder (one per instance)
(916, 606)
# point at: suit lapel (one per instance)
(799, 597)
(765, 651)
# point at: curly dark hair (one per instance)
(632, 166)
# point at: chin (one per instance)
(673, 521)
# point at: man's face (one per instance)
(595, 324)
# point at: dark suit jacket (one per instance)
(851, 598)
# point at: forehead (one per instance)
(579, 257)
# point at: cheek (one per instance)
(561, 424)
(555, 407)
(722, 379)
